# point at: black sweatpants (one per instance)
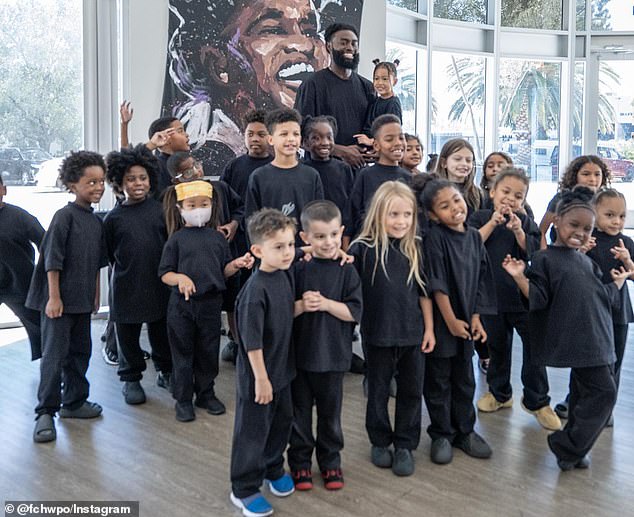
(131, 361)
(407, 363)
(325, 390)
(260, 435)
(620, 339)
(31, 320)
(448, 391)
(66, 348)
(193, 329)
(500, 339)
(592, 398)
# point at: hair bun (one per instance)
(376, 61)
(397, 62)
(579, 193)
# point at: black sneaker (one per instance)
(561, 408)
(185, 411)
(229, 352)
(403, 463)
(441, 452)
(110, 356)
(213, 406)
(133, 392)
(164, 380)
(473, 445)
(565, 465)
(381, 457)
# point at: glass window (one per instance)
(612, 15)
(532, 14)
(461, 10)
(405, 88)
(577, 119)
(458, 97)
(412, 5)
(529, 98)
(581, 15)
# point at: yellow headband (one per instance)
(193, 189)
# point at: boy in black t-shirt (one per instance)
(285, 183)
(65, 288)
(265, 366)
(329, 303)
(19, 230)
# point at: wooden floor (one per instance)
(174, 469)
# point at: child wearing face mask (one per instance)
(196, 261)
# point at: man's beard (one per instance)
(339, 60)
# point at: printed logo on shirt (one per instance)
(288, 208)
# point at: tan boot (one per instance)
(546, 417)
(488, 403)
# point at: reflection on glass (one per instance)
(616, 119)
(462, 10)
(577, 114)
(458, 96)
(581, 15)
(405, 88)
(412, 5)
(612, 15)
(529, 114)
(532, 14)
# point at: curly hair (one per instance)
(75, 164)
(569, 179)
(119, 162)
(255, 116)
(280, 116)
(579, 197)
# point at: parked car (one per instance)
(621, 168)
(48, 175)
(36, 156)
(15, 167)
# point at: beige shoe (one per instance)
(488, 403)
(546, 417)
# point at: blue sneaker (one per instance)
(255, 505)
(282, 486)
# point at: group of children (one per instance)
(429, 265)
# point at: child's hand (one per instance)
(364, 140)
(429, 342)
(313, 301)
(592, 242)
(345, 258)
(160, 138)
(229, 230)
(245, 261)
(515, 223)
(513, 266)
(497, 217)
(621, 253)
(186, 286)
(54, 308)
(459, 328)
(618, 275)
(126, 112)
(477, 330)
(263, 391)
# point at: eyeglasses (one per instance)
(188, 174)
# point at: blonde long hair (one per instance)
(374, 235)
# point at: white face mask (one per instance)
(196, 216)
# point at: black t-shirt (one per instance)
(570, 321)
(164, 179)
(135, 236)
(323, 343)
(368, 180)
(324, 93)
(199, 253)
(500, 243)
(380, 106)
(237, 172)
(19, 230)
(337, 180)
(392, 315)
(74, 245)
(288, 190)
(603, 257)
(458, 267)
(264, 315)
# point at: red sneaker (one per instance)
(333, 479)
(303, 479)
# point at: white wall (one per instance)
(145, 54)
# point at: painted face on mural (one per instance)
(278, 41)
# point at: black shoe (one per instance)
(441, 452)
(403, 463)
(110, 356)
(473, 445)
(561, 408)
(229, 352)
(133, 393)
(357, 365)
(185, 411)
(164, 380)
(381, 457)
(213, 406)
(44, 429)
(566, 465)
(86, 410)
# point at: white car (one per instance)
(47, 177)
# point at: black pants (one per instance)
(66, 348)
(325, 390)
(500, 339)
(592, 398)
(131, 362)
(260, 435)
(407, 363)
(482, 349)
(111, 337)
(620, 338)
(448, 390)
(31, 321)
(193, 328)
